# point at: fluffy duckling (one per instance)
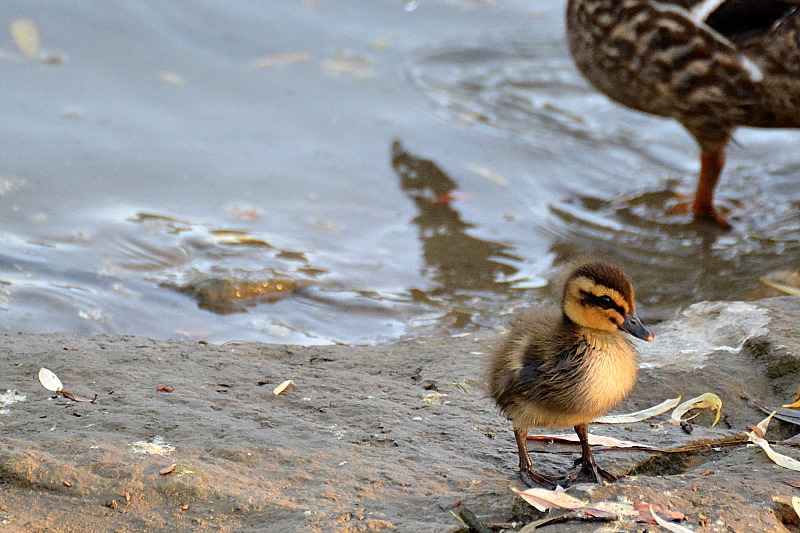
(565, 367)
(712, 65)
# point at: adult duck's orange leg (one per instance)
(711, 163)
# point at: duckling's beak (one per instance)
(633, 326)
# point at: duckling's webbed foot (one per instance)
(534, 479)
(589, 472)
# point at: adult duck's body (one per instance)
(712, 65)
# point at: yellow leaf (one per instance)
(708, 400)
(638, 416)
(796, 504)
(777, 458)
(282, 387)
(26, 37)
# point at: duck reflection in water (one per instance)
(456, 261)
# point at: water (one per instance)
(397, 169)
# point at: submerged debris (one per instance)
(227, 296)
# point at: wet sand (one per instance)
(378, 438)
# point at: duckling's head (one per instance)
(601, 297)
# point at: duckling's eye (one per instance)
(605, 302)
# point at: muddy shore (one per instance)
(378, 438)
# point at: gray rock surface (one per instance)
(384, 438)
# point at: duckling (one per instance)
(712, 65)
(565, 367)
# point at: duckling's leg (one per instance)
(589, 471)
(529, 476)
(712, 160)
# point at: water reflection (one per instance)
(457, 261)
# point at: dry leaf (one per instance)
(544, 499)
(594, 440)
(643, 510)
(669, 526)
(282, 387)
(172, 77)
(49, 380)
(280, 59)
(156, 447)
(185, 507)
(764, 424)
(26, 37)
(785, 281)
(791, 482)
(163, 388)
(66, 484)
(434, 398)
(708, 400)
(796, 505)
(778, 458)
(795, 405)
(78, 397)
(638, 416)
(487, 174)
(167, 469)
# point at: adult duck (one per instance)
(712, 65)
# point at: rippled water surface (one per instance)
(343, 171)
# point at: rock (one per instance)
(358, 444)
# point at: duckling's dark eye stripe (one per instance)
(588, 297)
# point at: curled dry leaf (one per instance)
(162, 388)
(757, 438)
(778, 458)
(78, 397)
(66, 484)
(26, 37)
(674, 528)
(594, 440)
(50, 381)
(764, 424)
(282, 387)
(167, 469)
(544, 499)
(708, 400)
(638, 416)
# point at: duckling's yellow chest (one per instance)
(609, 373)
